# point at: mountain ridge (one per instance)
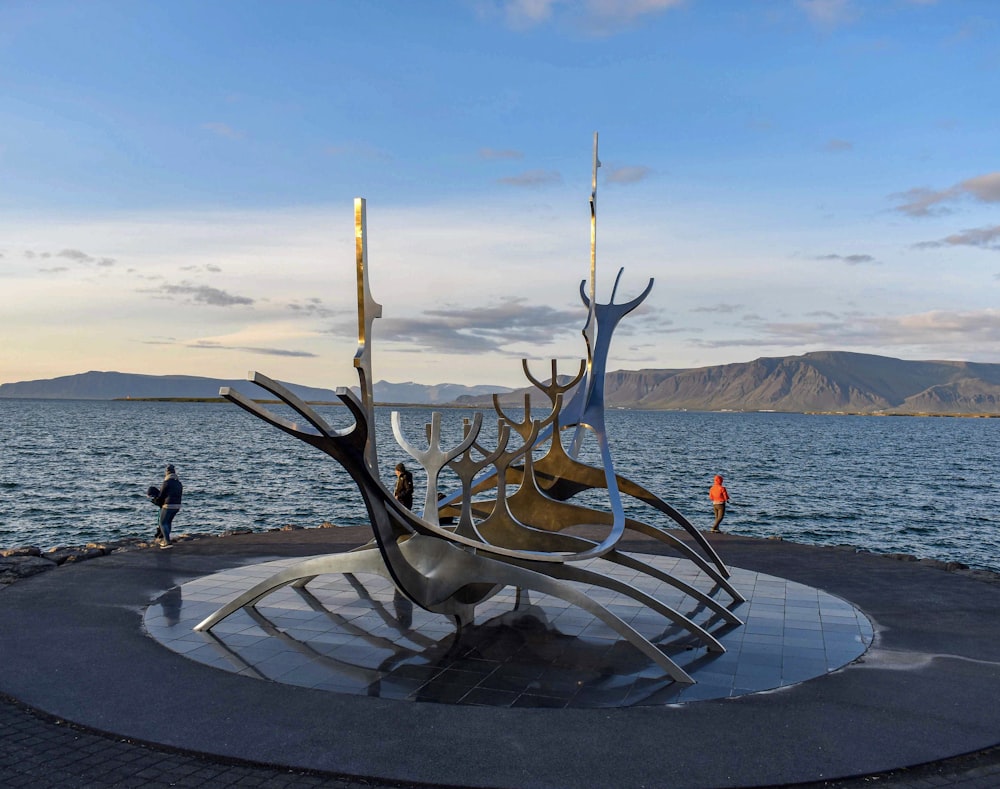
(821, 381)
(98, 385)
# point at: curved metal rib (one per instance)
(625, 560)
(569, 572)
(350, 562)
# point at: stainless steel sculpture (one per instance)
(515, 539)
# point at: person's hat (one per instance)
(170, 468)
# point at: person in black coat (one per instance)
(168, 499)
(403, 491)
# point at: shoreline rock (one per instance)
(23, 561)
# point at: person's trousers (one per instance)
(720, 513)
(166, 521)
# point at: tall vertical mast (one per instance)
(579, 402)
(590, 329)
(593, 228)
(368, 310)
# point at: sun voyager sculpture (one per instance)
(519, 537)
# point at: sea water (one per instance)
(73, 472)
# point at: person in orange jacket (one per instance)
(719, 496)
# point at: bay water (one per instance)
(76, 471)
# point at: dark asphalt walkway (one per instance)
(40, 750)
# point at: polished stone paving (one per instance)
(351, 634)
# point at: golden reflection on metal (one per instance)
(513, 540)
(368, 311)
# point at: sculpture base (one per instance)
(351, 634)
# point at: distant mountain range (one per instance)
(112, 386)
(826, 381)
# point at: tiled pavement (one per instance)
(351, 634)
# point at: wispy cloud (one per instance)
(600, 17)
(922, 201)
(75, 255)
(983, 237)
(629, 9)
(82, 257)
(954, 332)
(533, 178)
(720, 308)
(498, 153)
(838, 146)
(828, 14)
(216, 346)
(627, 174)
(851, 260)
(223, 130)
(490, 329)
(202, 294)
(311, 306)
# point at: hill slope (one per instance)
(111, 385)
(822, 381)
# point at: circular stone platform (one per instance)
(353, 634)
(77, 646)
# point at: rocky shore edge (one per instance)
(27, 560)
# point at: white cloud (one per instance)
(828, 14)
(223, 130)
(597, 16)
(533, 178)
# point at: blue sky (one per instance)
(177, 182)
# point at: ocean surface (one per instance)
(73, 471)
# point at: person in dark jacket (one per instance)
(169, 502)
(403, 491)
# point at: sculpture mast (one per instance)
(578, 406)
(590, 329)
(368, 310)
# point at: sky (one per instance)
(177, 183)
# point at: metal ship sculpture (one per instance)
(521, 536)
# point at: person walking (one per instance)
(169, 502)
(403, 491)
(719, 496)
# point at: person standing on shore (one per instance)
(169, 502)
(719, 496)
(403, 491)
